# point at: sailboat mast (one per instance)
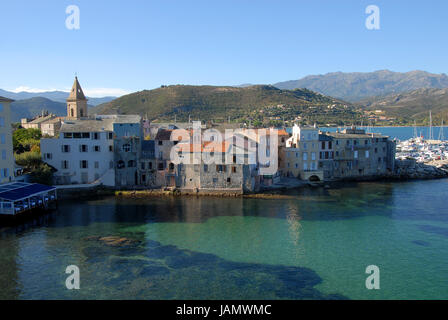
(441, 136)
(430, 125)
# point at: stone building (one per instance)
(7, 162)
(304, 153)
(76, 102)
(357, 154)
(48, 124)
(127, 149)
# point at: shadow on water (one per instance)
(167, 272)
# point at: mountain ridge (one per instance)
(355, 86)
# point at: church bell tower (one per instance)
(76, 102)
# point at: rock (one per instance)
(114, 241)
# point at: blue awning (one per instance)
(20, 190)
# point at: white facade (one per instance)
(6, 151)
(81, 157)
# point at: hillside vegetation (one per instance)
(261, 103)
(413, 105)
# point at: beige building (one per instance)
(48, 124)
(76, 102)
(7, 162)
(302, 154)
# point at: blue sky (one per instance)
(125, 46)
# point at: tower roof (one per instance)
(76, 92)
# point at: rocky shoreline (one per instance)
(408, 169)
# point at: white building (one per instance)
(6, 151)
(83, 153)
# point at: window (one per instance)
(66, 148)
(2, 122)
(205, 168)
(96, 136)
(111, 164)
(161, 166)
(111, 148)
(83, 164)
(97, 164)
(5, 172)
(367, 154)
(3, 154)
(48, 156)
(64, 164)
(220, 168)
(305, 156)
(131, 164)
(171, 166)
(96, 148)
(110, 135)
(228, 180)
(160, 143)
(143, 177)
(142, 165)
(83, 148)
(296, 165)
(85, 135)
(120, 164)
(313, 155)
(77, 135)
(3, 138)
(305, 146)
(1, 107)
(355, 154)
(233, 169)
(323, 145)
(68, 135)
(305, 166)
(150, 165)
(126, 147)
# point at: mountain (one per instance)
(29, 108)
(413, 105)
(57, 96)
(356, 86)
(261, 102)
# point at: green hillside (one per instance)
(260, 103)
(413, 105)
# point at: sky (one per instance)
(126, 46)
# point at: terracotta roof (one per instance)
(76, 92)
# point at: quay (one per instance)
(21, 197)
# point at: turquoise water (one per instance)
(316, 244)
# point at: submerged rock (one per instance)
(113, 241)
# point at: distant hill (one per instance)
(220, 102)
(57, 96)
(356, 86)
(29, 108)
(414, 105)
